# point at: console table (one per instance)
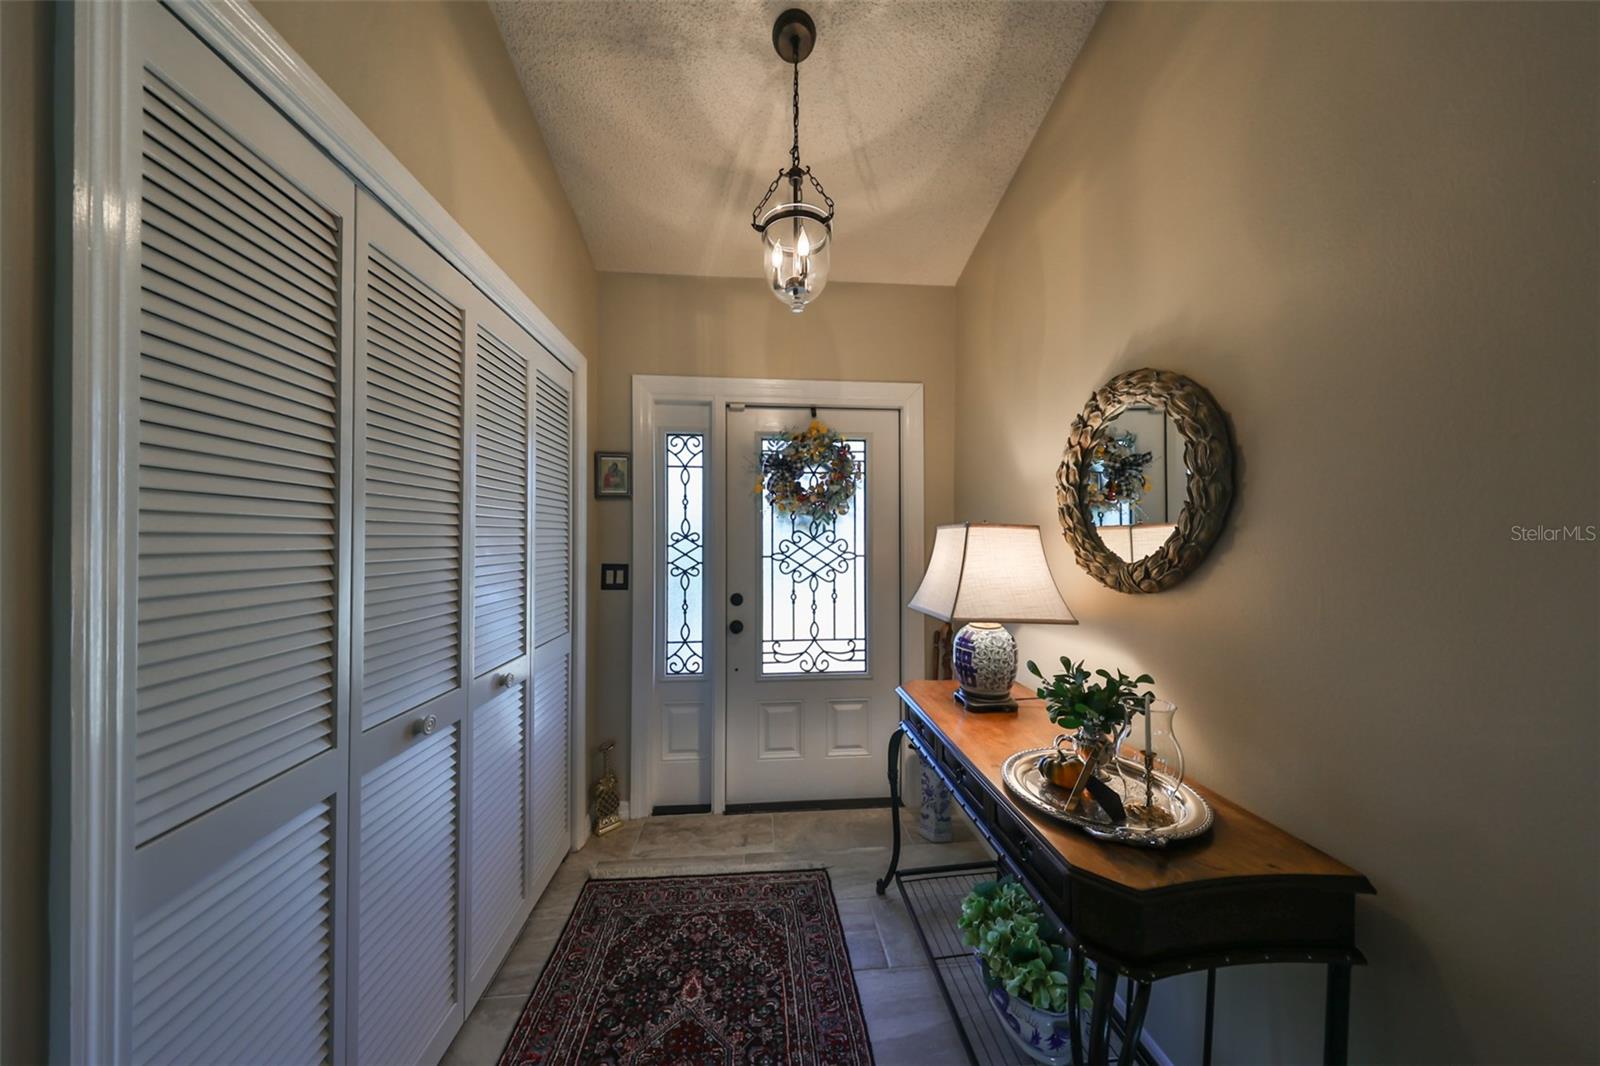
(1245, 893)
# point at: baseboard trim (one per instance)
(867, 802)
(680, 808)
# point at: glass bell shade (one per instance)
(796, 245)
(1151, 761)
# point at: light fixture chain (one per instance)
(794, 152)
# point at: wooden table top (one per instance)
(1240, 845)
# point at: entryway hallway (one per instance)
(906, 1015)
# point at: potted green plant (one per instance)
(1096, 711)
(1025, 968)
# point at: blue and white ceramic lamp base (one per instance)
(985, 659)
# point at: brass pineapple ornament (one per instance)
(607, 802)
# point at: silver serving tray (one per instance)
(1022, 777)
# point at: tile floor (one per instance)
(906, 1015)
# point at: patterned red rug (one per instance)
(726, 968)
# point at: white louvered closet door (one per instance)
(236, 791)
(499, 718)
(412, 593)
(554, 422)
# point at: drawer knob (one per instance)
(425, 726)
(1025, 850)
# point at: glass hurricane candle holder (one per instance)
(1151, 763)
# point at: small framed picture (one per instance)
(613, 475)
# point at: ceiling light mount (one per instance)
(794, 35)
(796, 235)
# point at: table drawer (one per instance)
(924, 735)
(967, 783)
(1042, 866)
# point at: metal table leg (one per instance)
(1211, 1015)
(1074, 990)
(1138, 1004)
(895, 743)
(1336, 1019)
(1105, 994)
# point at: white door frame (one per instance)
(93, 585)
(717, 393)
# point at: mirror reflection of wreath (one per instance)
(810, 474)
(1118, 471)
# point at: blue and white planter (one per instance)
(1044, 1036)
(933, 816)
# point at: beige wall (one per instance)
(26, 174)
(434, 82)
(733, 327)
(1371, 231)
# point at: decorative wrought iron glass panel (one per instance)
(686, 553)
(814, 586)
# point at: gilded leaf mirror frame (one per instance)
(1188, 413)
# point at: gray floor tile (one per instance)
(827, 831)
(617, 842)
(484, 1036)
(861, 935)
(896, 931)
(907, 1019)
(690, 835)
(523, 965)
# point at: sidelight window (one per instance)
(683, 631)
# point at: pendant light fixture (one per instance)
(796, 235)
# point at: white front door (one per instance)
(813, 617)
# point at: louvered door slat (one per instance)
(500, 574)
(257, 291)
(174, 121)
(413, 442)
(196, 373)
(226, 334)
(199, 961)
(406, 981)
(552, 703)
(552, 509)
(237, 458)
(498, 809)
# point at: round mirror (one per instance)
(1146, 481)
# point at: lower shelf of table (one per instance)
(933, 899)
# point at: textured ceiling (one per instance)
(667, 121)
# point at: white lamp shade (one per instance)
(990, 573)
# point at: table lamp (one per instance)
(984, 575)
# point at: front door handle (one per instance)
(735, 626)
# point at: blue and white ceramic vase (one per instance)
(985, 659)
(933, 817)
(1044, 1036)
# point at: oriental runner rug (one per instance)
(731, 969)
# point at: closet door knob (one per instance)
(505, 680)
(735, 626)
(425, 726)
